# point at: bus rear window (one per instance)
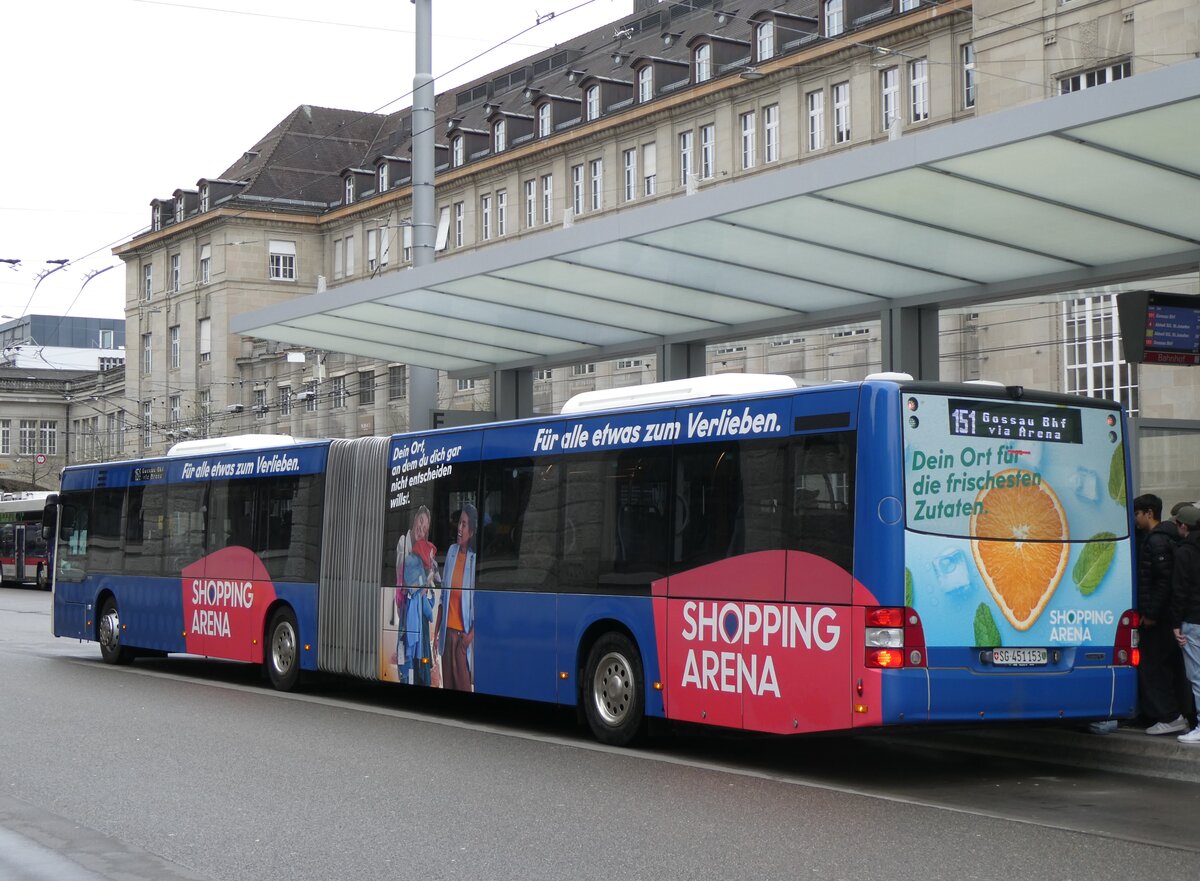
(1013, 470)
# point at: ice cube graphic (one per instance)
(1086, 483)
(951, 571)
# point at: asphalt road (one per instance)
(190, 769)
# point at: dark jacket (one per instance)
(1185, 585)
(1156, 563)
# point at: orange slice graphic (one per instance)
(1023, 568)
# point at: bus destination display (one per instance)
(1172, 333)
(1006, 421)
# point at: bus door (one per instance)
(19, 552)
(7, 548)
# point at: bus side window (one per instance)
(145, 516)
(520, 513)
(289, 526)
(185, 517)
(822, 510)
(104, 537)
(7, 540)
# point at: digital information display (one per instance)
(1022, 422)
(1160, 328)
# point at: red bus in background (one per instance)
(24, 553)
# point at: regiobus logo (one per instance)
(734, 645)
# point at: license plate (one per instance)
(1016, 657)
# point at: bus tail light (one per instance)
(894, 638)
(1126, 652)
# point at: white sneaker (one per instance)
(1192, 736)
(1180, 724)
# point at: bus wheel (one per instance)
(109, 634)
(43, 578)
(614, 701)
(283, 650)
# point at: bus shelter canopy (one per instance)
(1094, 187)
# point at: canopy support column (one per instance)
(910, 341)
(512, 394)
(681, 361)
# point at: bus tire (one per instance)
(108, 634)
(43, 577)
(283, 650)
(614, 699)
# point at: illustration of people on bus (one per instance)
(416, 579)
(456, 630)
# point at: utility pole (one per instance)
(422, 381)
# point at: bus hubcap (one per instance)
(110, 628)
(612, 688)
(283, 648)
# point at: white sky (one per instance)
(111, 103)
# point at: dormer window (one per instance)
(383, 177)
(155, 218)
(458, 153)
(204, 198)
(645, 84)
(764, 40)
(833, 18)
(500, 136)
(179, 209)
(349, 188)
(545, 120)
(702, 62)
(592, 103)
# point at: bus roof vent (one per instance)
(890, 376)
(230, 444)
(678, 390)
(991, 382)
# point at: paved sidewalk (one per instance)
(1129, 750)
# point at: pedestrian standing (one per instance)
(1185, 603)
(1161, 664)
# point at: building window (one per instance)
(708, 137)
(373, 249)
(204, 198)
(350, 255)
(629, 363)
(816, 119)
(205, 414)
(889, 87)
(406, 240)
(649, 169)
(1098, 77)
(260, 403)
(702, 59)
(310, 396)
(338, 392)
(748, 145)
(1093, 361)
(918, 89)
(592, 103)
(147, 424)
(49, 438)
(28, 437)
(771, 133)
(907, 5)
(841, 113)
(385, 246)
(349, 188)
(282, 261)
(764, 40)
(179, 210)
(174, 339)
(547, 198)
(576, 190)
(205, 264)
(543, 373)
(397, 382)
(500, 135)
(285, 400)
(530, 203)
(583, 369)
(105, 339)
(457, 151)
(645, 78)
(382, 183)
(338, 252)
(204, 343)
(460, 215)
(501, 212)
(175, 258)
(485, 217)
(968, 75)
(596, 169)
(147, 282)
(147, 352)
(629, 171)
(466, 385)
(545, 120)
(833, 17)
(366, 387)
(685, 158)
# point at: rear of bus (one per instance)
(1018, 556)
